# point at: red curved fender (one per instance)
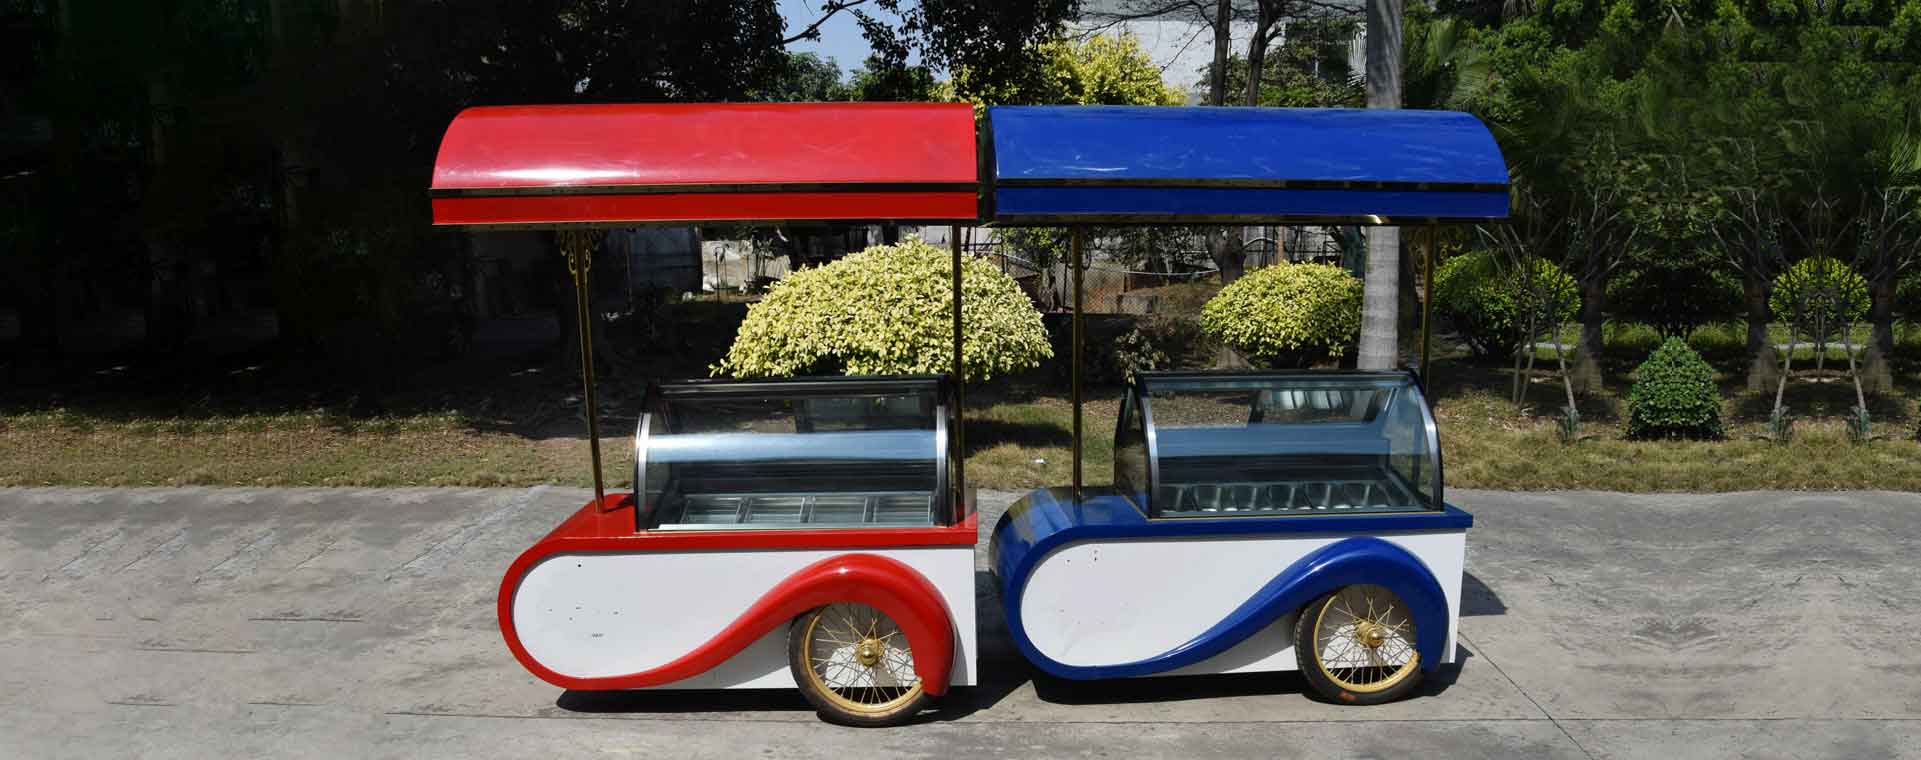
(884, 584)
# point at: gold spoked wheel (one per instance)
(1356, 645)
(854, 664)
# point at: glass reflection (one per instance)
(1265, 445)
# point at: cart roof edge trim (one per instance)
(1061, 165)
(550, 167)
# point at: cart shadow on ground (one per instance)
(1003, 671)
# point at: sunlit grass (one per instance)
(1014, 442)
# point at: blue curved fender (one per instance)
(1021, 540)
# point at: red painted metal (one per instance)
(549, 210)
(535, 165)
(885, 584)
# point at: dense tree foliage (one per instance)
(1698, 149)
(181, 158)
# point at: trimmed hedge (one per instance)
(889, 310)
(1488, 302)
(1287, 315)
(1674, 396)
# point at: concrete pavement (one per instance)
(351, 623)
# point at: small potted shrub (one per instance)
(1674, 396)
(1287, 315)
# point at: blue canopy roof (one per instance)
(1148, 164)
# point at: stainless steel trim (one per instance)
(1153, 449)
(642, 513)
(942, 495)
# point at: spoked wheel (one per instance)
(1356, 646)
(854, 664)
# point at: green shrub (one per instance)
(1288, 314)
(1907, 296)
(1630, 338)
(1824, 292)
(1675, 298)
(1489, 300)
(1134, 352)
(889, 310)
(1721, 341)
(1674, 396)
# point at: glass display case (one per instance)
(805, 453)
(1277, 443)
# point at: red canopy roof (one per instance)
(620, 165)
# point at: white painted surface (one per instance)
(599, 614)
(1111, 602)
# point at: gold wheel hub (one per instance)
(867, 653)
(1370, 634)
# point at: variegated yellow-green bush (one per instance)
(1287, 314)
(889, 310)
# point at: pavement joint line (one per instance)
(92, 547)
(466, 533)
(316, 555)
(172, 544)
(1482, 653)
(253, 549)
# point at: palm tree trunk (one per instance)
(1380, 312)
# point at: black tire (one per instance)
(866, 706)
(1330, 617)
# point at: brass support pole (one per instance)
(1427, 304)
(578, 246)
(1076, 253)
(960, 388)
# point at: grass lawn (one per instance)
(505, 424)
(1016, 441)
(289, 449)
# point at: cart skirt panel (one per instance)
(719, 619)
(1107, 609)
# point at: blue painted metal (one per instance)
(1049, 519)
(1062, 164)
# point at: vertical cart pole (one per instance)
(1427, 304)
(960, 387)
(1076, 253)
(578, 246)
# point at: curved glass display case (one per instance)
(1193, 444)
(805, 453)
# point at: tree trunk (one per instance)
(1223, 41)
(1875, 376)
(1256, 56)
(1762, 371)
(1226, 253)
(1380, 311)
(1585, 377)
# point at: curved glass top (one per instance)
(805, 453)
(1281, 443)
